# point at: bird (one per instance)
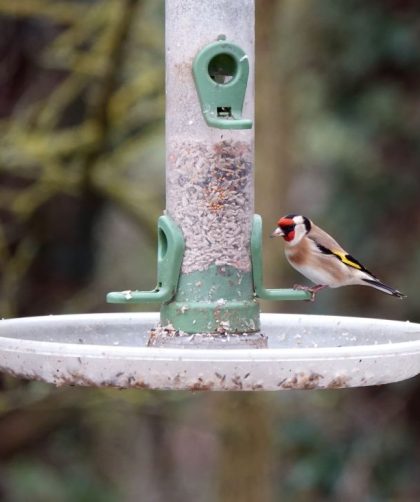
(317, 256)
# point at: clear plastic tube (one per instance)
(210, 186)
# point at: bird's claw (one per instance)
(299, 287)
(312, 290)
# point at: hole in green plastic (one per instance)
(222, 68)
(163, 244)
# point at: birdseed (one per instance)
(210, 196)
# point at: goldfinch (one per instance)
(320, 258)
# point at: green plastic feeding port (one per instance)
(169, 260)
(219, 300)
(257, 270)
(221, 72)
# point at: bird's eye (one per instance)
(287, 228)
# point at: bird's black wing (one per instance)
(345, 258)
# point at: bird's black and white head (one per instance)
(293, 228)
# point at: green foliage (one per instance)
(34, 480)
(354, 93)
(88, 127)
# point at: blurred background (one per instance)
(81, 188)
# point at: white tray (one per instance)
(303, 352)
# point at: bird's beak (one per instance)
(277, 232)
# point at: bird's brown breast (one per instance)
(298, 254)
(323, 268)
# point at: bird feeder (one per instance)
(209, 334)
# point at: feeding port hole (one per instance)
(222, 68)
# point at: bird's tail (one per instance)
(384, 288)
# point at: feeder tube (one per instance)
(209, 171)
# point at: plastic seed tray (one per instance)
(296, 352)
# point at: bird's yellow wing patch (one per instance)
(344, 258)
(348, 260)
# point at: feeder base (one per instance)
(221, 316)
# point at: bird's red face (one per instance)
(285, 228)
(293, 228)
